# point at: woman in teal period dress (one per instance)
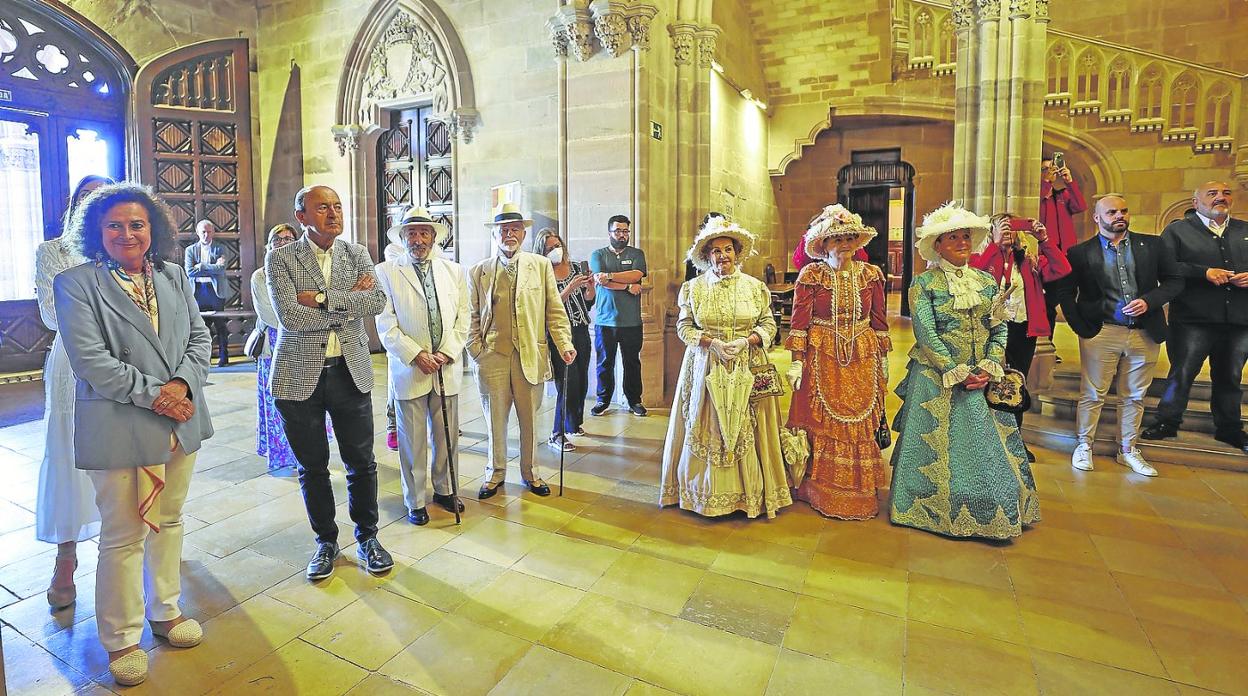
(959, 467)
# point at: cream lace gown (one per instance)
(65, 509)
(723, 453)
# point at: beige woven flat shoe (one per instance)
(187, 634)
(129, 669)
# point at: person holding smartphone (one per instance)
(1022, 253)
(576, 288)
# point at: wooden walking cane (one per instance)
(450, 451)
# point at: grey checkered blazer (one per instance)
(304, 331)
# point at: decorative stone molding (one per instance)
(638, 18)
(462, 122)
(572, 31)
(610, 27)
(682, 42)
(425, 72)
(962, 14)
(1041, 12)
(1020, 9)
(558, 37)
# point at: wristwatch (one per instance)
(320, 300)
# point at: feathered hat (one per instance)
(947, 218)
(715, 228)
(835, 221)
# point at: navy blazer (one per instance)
(1197, 250)
(121, 363)
(1082, 293)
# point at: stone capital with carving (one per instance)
(1041, 12)
(462, 123)
(347, 138)
(707, 37)
(638, 18)
(962, 14)
(610, 26)
(572, 32)
(683, 42)
(988, 10)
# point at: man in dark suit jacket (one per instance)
(322, 288)
(1210, 318)
(1119, 282)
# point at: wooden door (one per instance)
(192, 111)
(414, 167)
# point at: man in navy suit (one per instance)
(204, 262)
(1209, 319)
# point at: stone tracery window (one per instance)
(948, 43)
(1183, 102)
(1218, 111)
(923, 34)
(1118, 92)
(1058, 68)
(1148, 98)
(1088, 77)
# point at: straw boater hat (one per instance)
(508, 212)
(417, 215)
(835, 221)
(716, 228)
(947, 218)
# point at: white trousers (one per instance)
(134, 561)
(1130, 355)
(414, 418)
(501, 381)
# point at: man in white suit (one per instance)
(515, 303)
(423, 326)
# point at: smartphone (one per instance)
(585, 268)
(1059, 160)
(1022, 224)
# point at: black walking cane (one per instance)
(450, 451)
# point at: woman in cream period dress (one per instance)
(722, 453)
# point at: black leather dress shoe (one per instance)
(488, 490)
(418, 517)
(599, 408)
(1237, 440)
(448, 502)
(1159, 431)
(322, 564)
(637, 409)
(539, 489)
(375, 559)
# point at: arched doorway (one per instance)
(405, 104)
(874, 184)
(64, 90)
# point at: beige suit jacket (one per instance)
(538, 311)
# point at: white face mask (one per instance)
(555, 255)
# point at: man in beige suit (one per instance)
(514, 303)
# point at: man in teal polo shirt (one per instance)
(618, 270)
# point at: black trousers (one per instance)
(627, 340)
(1226, 347)
(208, 301)
(1020, 349)
(569, 420)
(304, 423)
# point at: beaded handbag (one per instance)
(1010, 393)
(767, 381)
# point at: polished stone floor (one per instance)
(1128, 586)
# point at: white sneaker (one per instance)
(1081, 459)
(1136, 462)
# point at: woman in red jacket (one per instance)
(1032, 258)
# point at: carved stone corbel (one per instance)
(638, 18)
(962, 14)
(1020, 9)
(571, 32)
(347, 138)
(707, 36)
(988, 10)
(1042, 11)
(462, 123)
(610, 26)
(682, 42)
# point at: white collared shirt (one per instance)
(1214, 227)
(325, 259)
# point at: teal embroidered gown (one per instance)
(959, 467)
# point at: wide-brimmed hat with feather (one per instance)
(835, 221)
(947, 218)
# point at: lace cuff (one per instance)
(884, 341)
(956, 376)
(993, 368)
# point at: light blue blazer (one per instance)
(121, 363)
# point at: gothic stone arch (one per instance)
(405, 54)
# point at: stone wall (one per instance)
(737, 49)
(1210, 33)
(740, 185)
(810, 183)
(149, 28)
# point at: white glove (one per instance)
(720, 349)
(739, 345)
(795, 374)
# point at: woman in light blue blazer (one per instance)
(140, 352)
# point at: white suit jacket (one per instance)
(403, 324)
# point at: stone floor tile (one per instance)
(796, 674)
(968, 561)
(984, 665)
(544, 672)
(798, 526)
(379, 685)
(700, 661)
(848, 635)
(327, 597)
(870, 541)
(753, 611)
(30, 670)
(569, 561)
(1090, 634)
(443, 579)
(497, 541)
(865, 585)
(1062, 675)
(457, 658)
(1071, 584)
(1206, 660)
(965, 607)
(609, 633)
(764, 563)
(1147, 529)
(1215, 611)
(550, 514)
(1151, 560)
(373, 629)
(295, 668)
(519, 604)
(33, 618)
(650, 582)
(682, 543)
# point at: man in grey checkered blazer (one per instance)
(322, 288)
